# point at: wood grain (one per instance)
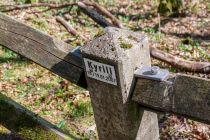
(44, 50)
(184, 95)
(192, 97)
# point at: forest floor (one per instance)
(67, 105)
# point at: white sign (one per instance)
(101, 72)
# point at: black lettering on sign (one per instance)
(95, 68)
(90, 64)
(100, 71)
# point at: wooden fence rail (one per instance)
(50, 53)
(108, 63)
(181, 94)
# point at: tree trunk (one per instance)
(170, 7)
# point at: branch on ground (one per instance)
(94, 15)
(69, 28)
(105, 12)
(26, 6)
(190, 66)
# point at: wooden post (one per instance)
(110, 61)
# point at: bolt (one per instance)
(154, 70)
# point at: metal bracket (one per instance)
(152, 73)
(76, 51)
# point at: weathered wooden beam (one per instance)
(44, 50)
(181, 94)
(26, 124)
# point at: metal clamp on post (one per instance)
(76, 51)
(152, 89)
(152, 73)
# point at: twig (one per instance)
(190, 66)
(69, 28)
(49, 5)
(159, 31)
(36, 12)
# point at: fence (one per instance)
(124, 104)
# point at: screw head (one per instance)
(155, 70)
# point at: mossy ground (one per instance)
(24, 125)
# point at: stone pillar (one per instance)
(110, 61)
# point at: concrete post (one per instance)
(110, 61)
